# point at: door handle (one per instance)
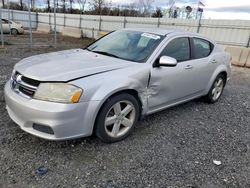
(189, 67)
(214, 61)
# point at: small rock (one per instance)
(217, 162)
(42, 170)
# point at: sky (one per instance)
(214, 9)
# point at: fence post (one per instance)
(8, 5)
(12, 15)
(199, 23)
(158, 22)
(248, 43)
(37, 21)
(49, 21)
(124, 22)
(64, 20)
(55, 37)
(30, 25)
(1, 28)
(80, 23)
(100, 23)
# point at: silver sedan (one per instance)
(108, 86)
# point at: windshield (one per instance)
(128, 45)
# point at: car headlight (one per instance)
(58, 92)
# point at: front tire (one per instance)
(14, 32)
(117, 118)
(216, 89)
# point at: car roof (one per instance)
(164, 32)
(158, 31)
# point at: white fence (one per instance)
(225, 32)
(21, 17)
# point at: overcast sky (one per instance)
(214, 9)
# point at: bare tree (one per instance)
(98, 5)
(3, 3)
(48, 5)
(71, 5)
(157, 13)
(63, 6)
(170, 5)
(32, 4)
(82, 4)
(21, 4)
(147, 6)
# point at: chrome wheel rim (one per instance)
(120, 118)
(217, 90)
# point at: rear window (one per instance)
(202, 48)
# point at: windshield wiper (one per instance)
(106, 53)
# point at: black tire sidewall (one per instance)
(14, 31)
(100, 131)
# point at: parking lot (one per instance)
(175, 148)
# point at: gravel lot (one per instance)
(173, 148)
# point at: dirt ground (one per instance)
(175, 148)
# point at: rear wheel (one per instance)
(14, 32)
(117, 118)
(216, 90)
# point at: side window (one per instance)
(202, 48)
(178, 48)
(4, 21)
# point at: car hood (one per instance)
(68, 65)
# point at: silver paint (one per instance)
(101, 76)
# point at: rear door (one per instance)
(205, 59)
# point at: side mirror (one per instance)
(167, 61)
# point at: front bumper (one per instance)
(20, 30)
(67, 121)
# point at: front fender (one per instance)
(106, 91)
(101, 86)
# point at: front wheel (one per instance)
(117, 118)
(216, 90)
(14, 32)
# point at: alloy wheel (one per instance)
(218, 88)
(120, 118)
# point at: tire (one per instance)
(117, 118)
(216, 89)
(14, 32)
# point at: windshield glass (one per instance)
(128, 45)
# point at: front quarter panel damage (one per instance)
(101, 86)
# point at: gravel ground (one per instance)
(173, 148)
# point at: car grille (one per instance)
(24, 86)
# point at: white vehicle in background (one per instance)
(11, 26)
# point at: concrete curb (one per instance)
(240, 56)
(72, 32)
(43, 28)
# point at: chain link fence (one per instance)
(59, 25)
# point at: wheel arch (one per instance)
(220, 70)
(132, 92)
